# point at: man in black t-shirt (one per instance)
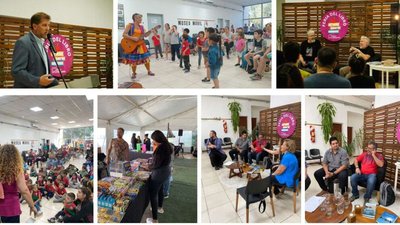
(309, 50)
(364, 51)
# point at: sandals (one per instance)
(133, 75)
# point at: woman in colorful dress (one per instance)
(141, 55)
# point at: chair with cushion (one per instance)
(307, 157)
(255, 191)
(315, 154)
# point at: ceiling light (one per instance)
(91, 119)
(71, 121)
(36, 109)
(54, 124)
(77, 125)
(55, 117)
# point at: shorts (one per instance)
(239, 54)
(214, 72)
(205, 57)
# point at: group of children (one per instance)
(52, 181)
(209, 48)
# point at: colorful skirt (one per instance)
(140, 56)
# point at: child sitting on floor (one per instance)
(74, 181)
(68, 210)
(49, 189)
(60, 193)
(41, 183)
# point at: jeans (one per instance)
(186, 61)
(234, 154)
(9, 219)
(175, 50)
(166, 185)
(342, 176)
(37, 206)
(370, 179)
(200, 55)
(158, 49)
(157, 179)
(257, 156)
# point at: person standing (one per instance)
(141, 55)
(12, 182)
(31, 64)
(147, 142)
(118, 149)
(160, 172)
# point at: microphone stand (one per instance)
(55, 60)
(59, 70)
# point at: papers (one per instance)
(313, 203)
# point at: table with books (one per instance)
(123, 197)
(380, 214)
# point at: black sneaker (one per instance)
(52, 220)
(180, 66)
(187, 71)
(252, 71)
(237, 64)
(205, 80)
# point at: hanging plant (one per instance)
(235, 109)
(327, 111)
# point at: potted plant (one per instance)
(327, 111)
(235, 109)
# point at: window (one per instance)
(259, 15)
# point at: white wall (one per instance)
(90, 13)
(280, 100)
(356, 121)
(342, 117)
(382, 100)
(217, 107)
(12, 132)
(174, 9)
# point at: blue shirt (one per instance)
(217, 142)
(289, 160)
(215, 57)
(326, 81)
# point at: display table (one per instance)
(139, 155)
(384, 70)
(319, 216)
(379, 210)
(137, 207)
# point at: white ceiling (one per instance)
(260, 98)
(239, 2)
(149, 112)
(362, 101)
(67, 108)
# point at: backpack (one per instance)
(387, 194)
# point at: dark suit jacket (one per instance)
(28, 64)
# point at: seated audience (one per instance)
(214, 148)
(334, 165)
(84, 207)
(257, 149)
(370, 161)
(258, 50)
(309, 50)
(356, 77)
(288, 167)
(291, 52)
(363, 51)
(325, 78)
(289, 76)
(241, 148)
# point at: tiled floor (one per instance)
(315, 189)
(170, 75)
(49, 208)
(218, 200)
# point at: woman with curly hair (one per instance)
(12, 181)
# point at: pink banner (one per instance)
(334, 25)
(286, 125)
(64, 55)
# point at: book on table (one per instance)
(387, 218)
(369, 210)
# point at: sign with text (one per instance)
(334, 25)
(64, 55)
(286, 125)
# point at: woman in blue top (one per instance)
(215, 55)
(288, 167)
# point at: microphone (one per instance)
(51, 43)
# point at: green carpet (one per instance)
(181, 206)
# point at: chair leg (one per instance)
(272, 205)
(247, 214)
(237, 200)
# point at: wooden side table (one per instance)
(232, 168)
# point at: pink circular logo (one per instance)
(64, 55)
(286, 125)
(334, 25)
(398, 132)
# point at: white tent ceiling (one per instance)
(67, 108)
(150, 112)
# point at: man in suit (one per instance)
(31, 64)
